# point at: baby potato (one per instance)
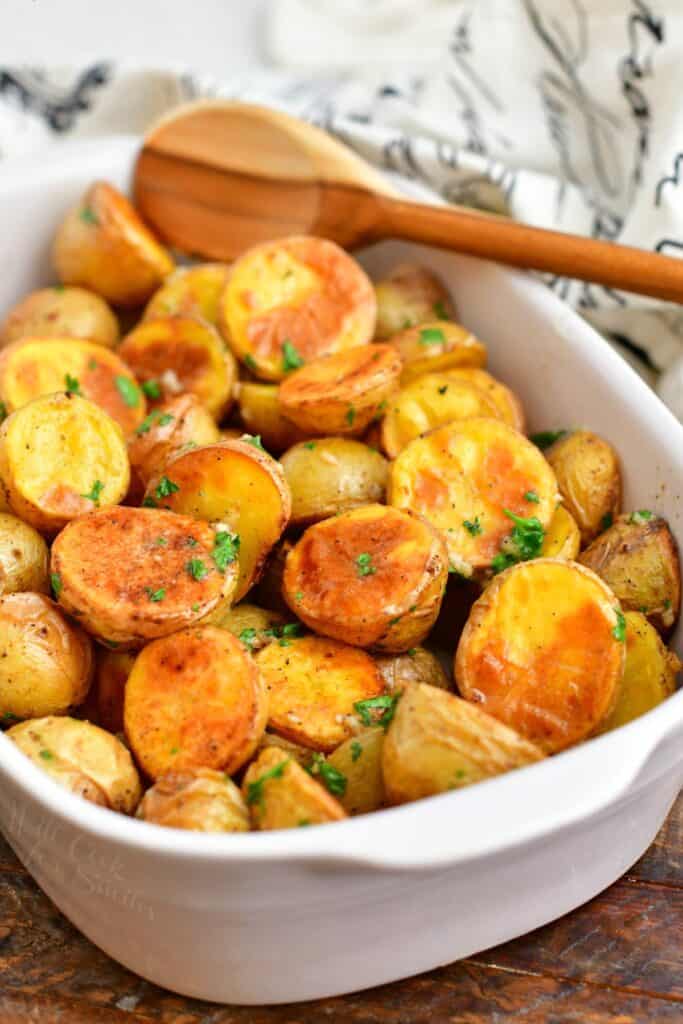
(61, 456)
(261, 414)
(292, 300)
(408, 296)
(638, 558)
(437, 742)
(507, 403)
(194, 700)
(588, 476)
(418, 665)
(112, 668)
(190, 291)
(83, 758)
(314, 686)
(562, 538)
(62, 313)
(280, 794)
(46, 662)
(23, 557)
(359, 761)
(199, 799)
(236, 484)
(176, 354)
(434, 346)
(103, 245)
(268, 590)
(176, 425)
(254, 626)
(332, 475)
(341, 393)
(374, 576)
(132, 574)
(543, 651)
(484, 485)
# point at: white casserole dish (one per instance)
(274, 917)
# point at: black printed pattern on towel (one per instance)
(59, 108)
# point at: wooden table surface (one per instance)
(618, 959)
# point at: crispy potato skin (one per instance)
(249, 617)
(126, 586)
(435, 346)
(313, 684)
(198, 799)
(388, 600)
(332, 475)
(562, 538)
(291, 799)
(639, 561)
(153, 443)
(190, 291)
(103, 245)
(540, 652)
(509, 406)
(63, 313)
(23, 557)
(360, 762)
(261, 415)
(589, 479)
(416, 666)
(303, 290)
(437, 742)
(112, 669)
(194, 700)
(408, 296)
(46, 662)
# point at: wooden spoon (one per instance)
(216, 177)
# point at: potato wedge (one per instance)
(255, 627)
(509, 407)
(374, 576)
(359, 761)
(62, 313)
(194, 700)
(588, 476)
(174, 426)
(261, 415)
(408, 296)
(435, 346)
(23, 557)
(112, 668)
(543, 651)
(190, 291)
(418, 665)
(198, 799)
(280, 794)
(293, 300)
(332, 475)
(562, 538)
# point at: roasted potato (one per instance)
(374, 576)
(112, 668)
(588, 476)
(268, 590)
(562, 538)
(294, 299)
(509, 407)
(254, 626)
(280, 794)
(408, 296)
(194, 700)
(23, 557)
(332, 475)
(198, 799)
(46, 662)
(543, 651)
(190, 291)
(261, 415)
(418, 665)
(132, 574)
(359, 762)
(174, 426)
(103, 245)
(85, 759)
(434, 346)
(638, 558)
(63, 313)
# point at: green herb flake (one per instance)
(364, 566)
(191, 542)
(155, 416)
(303, 823)
(667, 604)
(299, 596)
(432, 336)
(356, 750)
(195, 607)
(88, 216)
(333, 780)
(92, 364)
(248, 637)
(255, 793)
(56, 582)
(255, 440)
(3, 412)
(250, 362)
(545, 438)
(412, 651)
(443, 390)
(440, 310)
(642, 516)
(619, 631)
(532, 497)
(225, 550)
(473, 526)
(526, 539)
(197, 570)
(165, 488)
(151, 388)
(310, 445)
(129, 391)
(606, 521)
(173, 751)
(94, 493)
(155, 595)
(291, 360)
(58, 287)
(73, 386)
(47, 755)
(350, 415)
(9, 716)
(149, 502)
(367, 709)
(161, 542)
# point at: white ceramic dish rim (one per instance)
(488, 814)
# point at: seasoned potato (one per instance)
(234, 483)
(198, 799)
(190, 291)
(61, 456)
(589, 479)
(437, 742)
(176, 425)
(372, 576)
(194, 700)
(23, 557)
(359, 762)
(280, 794)
(132, 574)
(112, 669)
(562, 538)
(638, 558)
(543, 652)
(410, 295)
(83, 758)
(302, 755)
(341, 393)
(509, 407)
(261, 414)
(268, 590)
(182, 353)
(292, 300)
(254, 626)
(103, 245)
(63, 313)
(314, 685)
(435, 346)
(484, 485)
(417, 665)
(332, 475)
(46, 662)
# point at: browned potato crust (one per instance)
(280, 794)
(175, 425)
(190, 291)
(23, 557)
(63, 313)
(410, 295)
(509, 407)
(112, 668)
(198, 799)
(332, 475)
(589, 479)
(562, 538)
(418, 665)
(359, 760)
(261, 415)
(435, 346)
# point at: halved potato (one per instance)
(484, 485)
(176, 425)
(103, 245)
(112, 668)
(254, 626)
(410, 295)
(23, 557)
(374, 576)
(261, 414)
(294, 299)
(313, 686)
(418, 665)
(359, 761)
(562, 538)
(509, 407)
(61, 456)
(190, 291)
(199, 799)
(588, 476)
(543, 651)
(434, 346)
(437, 742)
(132, 574)
(63, 313)
(280, 794)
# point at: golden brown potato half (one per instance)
(63, 313)
(302, 755)
(408, 296)
(543, 651)
(236, 484)
(314, 685)
(198, 799)
(268, 590)
(638, 558)
(562, 538)
(588, 476)
(292, 300)
(359, 762)
(132, 574)
(83, 758)
(342, 393)
(176, 425)
(103, 245)
(178, 354)
(435, 346)
(374, 576)
(261, 414)
(332, 475)
(254, 626)
(60, 457)
(112, 668)
(417, 665)
(194, 700)
(190, 291)
(280, 794)
(509, 407)
(437, 742)
(484, 485)
(46, 662)
(23, 557)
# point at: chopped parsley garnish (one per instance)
(545, 438)
(155, 595)
(161, 542)
(225, 550)
(350, 415)
(303, 823)
(149, 502)
(619, 631)
(197, 569)
(285, 633)
(364, 565)
(250, 362)
(432, 336)
(56, 582)
(440, 310)
(9, 716)
(155, 416)
(95, 492)
(58, 287)
(195, 607)
(73, 386)
(291, 360)
(333, 780)
(310, 445)
(642, 516)
(47, 755)
(129, 391)
(165, 488)
(255, 440)
(356, 750)
(299, 595)
(473, 526)
(532, 497)
(443, 390)
(525, 542)
(367, 709)
(606, 521)
(93, 364)
(411, 652)
(3, 411)
(151, 388)
(255, 792)
(248, 637)
(88, 216)
(191, 542)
